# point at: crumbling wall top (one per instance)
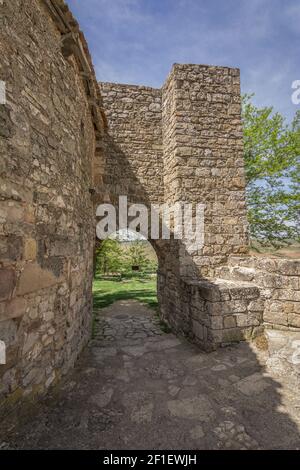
(74, 43)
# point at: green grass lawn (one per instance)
(143, 289)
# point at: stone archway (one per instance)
(68, 144)
(182, 143)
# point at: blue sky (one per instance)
(137, 41)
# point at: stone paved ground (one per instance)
(136, 387)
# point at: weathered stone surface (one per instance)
(229, 322)
(30, 249)
(278, 283)
(47, 147)
(7, 283)
(34, 278)
(14, 308)
(157, 151)
(197, 407)
(8, 330)
(252, 385)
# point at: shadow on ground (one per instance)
(106, 292)
(144, 296)
(137, 388)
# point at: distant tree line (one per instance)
(112, 258)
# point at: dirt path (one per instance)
(136, 387)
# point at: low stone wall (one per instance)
(279, 283)
(247, 295)
(216, 312)
(224, 312)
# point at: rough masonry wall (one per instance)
(203, 163)
(180, 144)
(130, 161)
(202, 134)
(46, 214)
(279, 283)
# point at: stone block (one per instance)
(14, 308)
(288, 307)
(253, 385)
(243, 274)
(30, 249)
(294, 320)
(212, 292)
(216, 322)
(34, 278)
(232, 335)
(229, 322)
(11, 247)
(287, 294)
(48, 316)
(29, 342)
(8, 332)
(214, 308)
(297, 307)
(275, 318)
(289, 267)
(245, 292)
(256, 305)
(198, 330)
(7, 283)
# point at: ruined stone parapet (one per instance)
(225, 312)
(279, 283)
(214, 312)
(73, 44)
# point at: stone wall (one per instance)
(279, 283)
(182, 143)
(131, 159)
(204, 158)
(47, 145)
(203, 163)
(223, 312)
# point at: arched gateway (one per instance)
(67, 145)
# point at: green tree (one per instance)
(271, 152)
(109, 257)
(137, 256)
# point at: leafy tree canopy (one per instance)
(272, 165)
